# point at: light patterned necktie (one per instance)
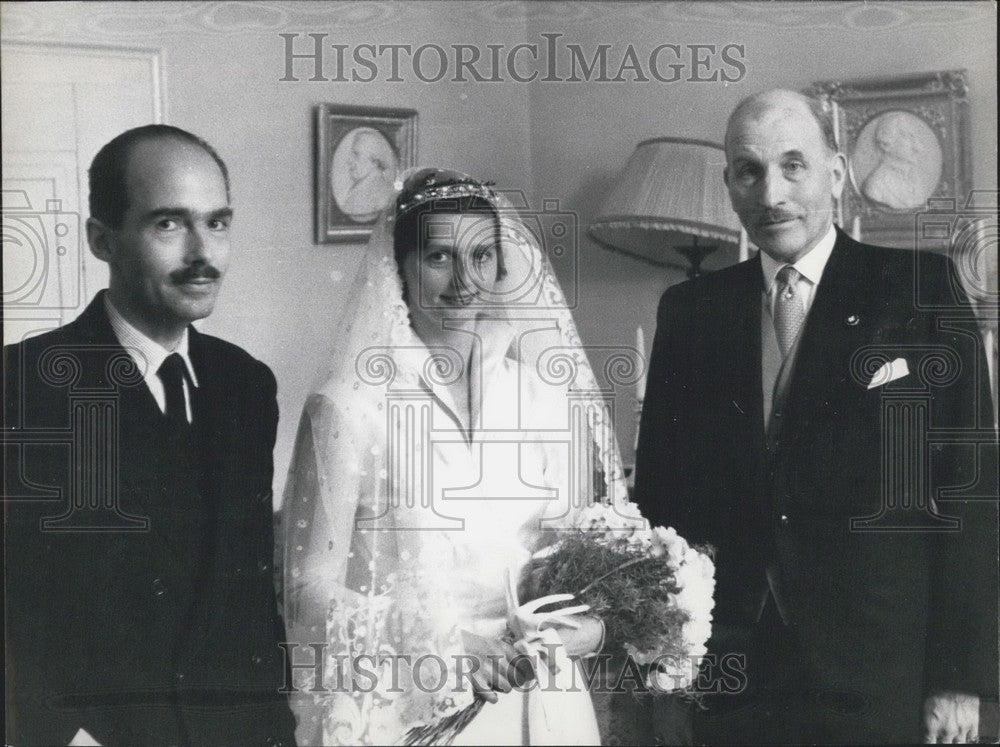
(789, 307)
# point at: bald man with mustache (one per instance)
(795, 420)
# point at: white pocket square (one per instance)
(897, 369)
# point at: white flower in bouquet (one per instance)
(696, 633)
(668, 542)
(620, 522)
(651, 589)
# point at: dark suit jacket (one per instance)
(146, 614)
(897, 603)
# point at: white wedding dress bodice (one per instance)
(414, 522)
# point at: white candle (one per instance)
(640, 346)
(744, 245)
(835, 111)
(856, 228)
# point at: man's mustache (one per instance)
(195, 272)
(775, 216)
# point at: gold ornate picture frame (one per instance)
(907, 145)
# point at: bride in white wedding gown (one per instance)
(457, 430)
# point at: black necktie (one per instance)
(172, 373)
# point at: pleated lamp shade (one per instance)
(669, 199)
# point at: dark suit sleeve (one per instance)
(281, 672)
(668, 717)
(652, 462)
(264, 511)
(270, 429)
(269, 416)
(962, 641)
(39, 658)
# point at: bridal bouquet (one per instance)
(652, 590)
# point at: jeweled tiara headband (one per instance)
(449, 190)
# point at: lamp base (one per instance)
(695, 254)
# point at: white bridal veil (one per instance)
(370, 565)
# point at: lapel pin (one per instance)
(852, 320)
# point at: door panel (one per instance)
(60, 104)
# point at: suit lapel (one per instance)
(213, 439)
(151, 475)
(749, 347)
(839, 322)
(738, 359)
(221, 431)
(93, 329)
(209, 402)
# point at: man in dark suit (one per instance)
(140, 605)
(820, 414)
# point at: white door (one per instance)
(60, 104)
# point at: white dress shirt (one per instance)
(810, 266)
(149, 356)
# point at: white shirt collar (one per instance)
(147, 353)
(494, 340)
(811, 265)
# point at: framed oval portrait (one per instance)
(359, 153)
(365, 165)
(907, 144)
(897, 159)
